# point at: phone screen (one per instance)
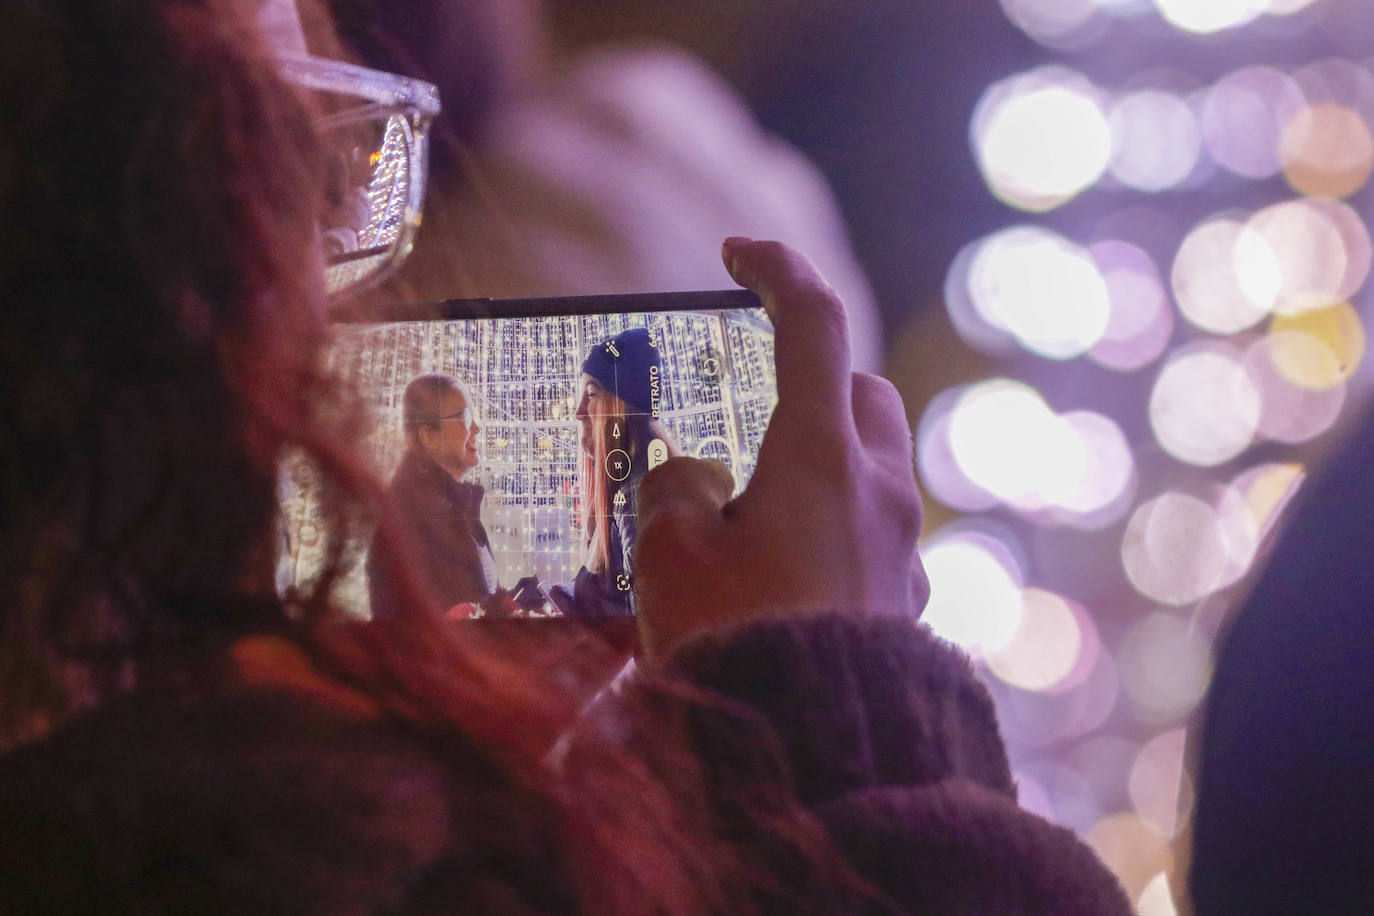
(513, 442)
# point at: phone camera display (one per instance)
(513, 449)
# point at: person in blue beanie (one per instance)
(618, 415)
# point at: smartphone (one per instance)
(513, 434)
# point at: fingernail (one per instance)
(727, 252)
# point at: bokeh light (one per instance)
(1318, 349)
(1225, 247)
(1165, 665)
(1141, 320)
(1006, 440)
(1131, 848)
(1240, 528)
(1288, 7)
(975, 591)
(1041, 288)
(1078, 705)
(1225, 277)
(1355, 243)
(1204, 407)
(1032, 796)
(1045, 647)
(1244, 115)
(1155, 140)
(972, 327)
(1304, 254)
(1041, 138)
(1089, 672)
(1206, 16)
(1180, 547)
(1289, 412)
(1266, 490)
(1060, 24)
(1159, 786)
(1157, 899)
(1124, 8)
(1336, 81)
(1096, 492)
(1104, 760)
(999, 442)
(940, 471)
(1327, 151)
(1073, 796)
(1172, 549)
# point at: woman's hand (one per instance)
(829, 521)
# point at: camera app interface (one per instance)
(513, 450)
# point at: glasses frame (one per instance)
(384, 95)
(468, 416)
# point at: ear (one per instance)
(429, 437)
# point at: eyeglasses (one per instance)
(467, 415)
(377, 124)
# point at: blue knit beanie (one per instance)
(622, 366)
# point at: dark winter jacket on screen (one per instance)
(444, 525)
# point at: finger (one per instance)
(679, 506)
(812, 344)
(691, 486)
(880, 419)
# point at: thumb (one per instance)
(680, 507)
(684, 487)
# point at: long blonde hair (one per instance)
(608, 412)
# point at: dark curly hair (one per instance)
(158, 198)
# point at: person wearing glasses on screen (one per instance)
(442, 511)
(176, 737)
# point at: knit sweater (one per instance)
(874, 728)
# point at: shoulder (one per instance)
(469, 495)
(1279, 743)
(415, 473)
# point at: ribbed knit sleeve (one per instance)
(889, 739)
(857, 703)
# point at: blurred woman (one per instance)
(173, 736)
(180, 739)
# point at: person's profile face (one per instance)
(452, 442)
(591, 390)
